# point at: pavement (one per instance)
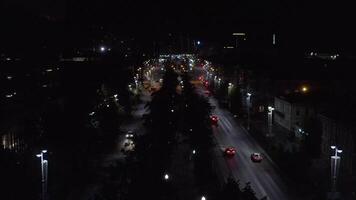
(135, 124)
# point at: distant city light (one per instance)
(198, 42)
(239, 34)
(102, 49)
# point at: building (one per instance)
(292, 112)
(338, 129)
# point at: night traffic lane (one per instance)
(263, 177)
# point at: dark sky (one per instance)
(324, 23)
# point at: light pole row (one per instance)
(44, 174)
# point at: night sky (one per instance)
(316, 23)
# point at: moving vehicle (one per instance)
(230, 151)
(214, 120)
(256, 157)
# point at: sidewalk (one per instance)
(104, 165)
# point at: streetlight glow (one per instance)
(166, 177)
(304, 89)
(203, 198)
(335, 165)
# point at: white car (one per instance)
(256, 157)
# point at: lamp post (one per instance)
(229, 91)
(335, 163)
(44, 173)
(248, 102)
(270, 120)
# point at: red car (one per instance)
(214, 120)
(256, 157)
(230, 151)
(206, 83)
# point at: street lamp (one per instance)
(335, 163)
(203, 198)
(229, 91)
(270, 120)
(44, 173)
(166, 177)
(248, 102)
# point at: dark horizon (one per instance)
(317, 25)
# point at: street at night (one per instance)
(183, 100)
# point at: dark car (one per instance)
(130, 135)
(207, 92)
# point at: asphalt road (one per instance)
(263, 176)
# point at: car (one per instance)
(129, 135)
(207, 92)
(256, 157)
(214, 120)
(206, 83)
(229, 151)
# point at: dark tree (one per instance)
(248, 193)
(231, 190)
(313, 139)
